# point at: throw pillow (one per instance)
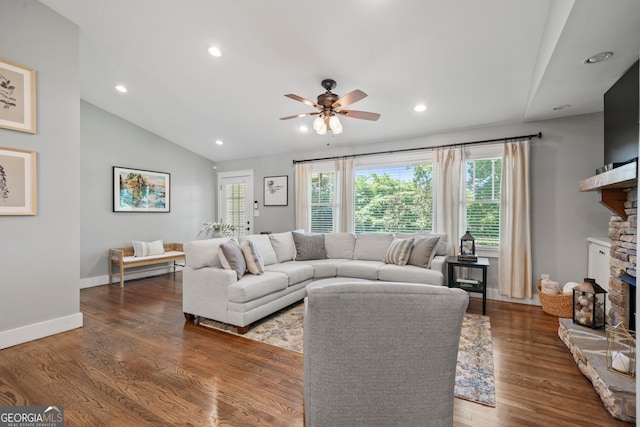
(231, 258)
(399, 251)
(148, 248)
(309, 246)
(424, 250)
(253, 258)
(283, 245)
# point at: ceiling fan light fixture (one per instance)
(318, 123)
(335, 125)
(322, 129)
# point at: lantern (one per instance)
(621, 350)
(589, 304)
(467, 248)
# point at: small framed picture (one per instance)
(276, 192)
(136, 190)
(17, 182)
(17, 97)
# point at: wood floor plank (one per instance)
(137, 362)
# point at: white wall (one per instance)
(39, 255)
(562, 218)
(109, 141)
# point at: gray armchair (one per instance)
(381, 354)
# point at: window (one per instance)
(394, 198)
(483, 200)
(322, 201)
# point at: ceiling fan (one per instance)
(330, 107)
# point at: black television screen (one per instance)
(621, 116)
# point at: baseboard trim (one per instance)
(39, 330)
(89, 282)
(493, 294)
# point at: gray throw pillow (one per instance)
(399, 251)
(231, 258)
(424, 249)
(309, 246)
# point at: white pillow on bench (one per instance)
(141, 249)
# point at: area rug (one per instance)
(474, 371)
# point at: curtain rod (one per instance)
(406, 150)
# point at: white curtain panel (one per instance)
(449, 209)
(345, 195)
(514, 271)
(303, 195)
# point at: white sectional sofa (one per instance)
(293, 260)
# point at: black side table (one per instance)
(467, 284)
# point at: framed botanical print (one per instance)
(17, 182)
(17, 97)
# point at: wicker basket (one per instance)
(556, 304)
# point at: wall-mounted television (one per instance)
(621, 116)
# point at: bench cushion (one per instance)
(132, 259)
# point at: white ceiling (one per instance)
(473, 63)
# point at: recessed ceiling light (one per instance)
(561, 107)
(219, 142)
(599, 57)
(303, 129)
(420, 108)
(121, 89)
(215, 51)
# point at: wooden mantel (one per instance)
(610, 186)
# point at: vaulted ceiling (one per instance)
(472, 63)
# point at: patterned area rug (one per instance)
(474, 372)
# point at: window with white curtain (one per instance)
(323, 198)
(395, 193)
(482, 201)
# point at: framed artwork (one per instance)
(276, 192)
(136, 190)
(17, 182)
(17, 97)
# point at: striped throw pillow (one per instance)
(399, 251)
(252, 256)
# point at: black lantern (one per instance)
(589, 304)
(467, 248)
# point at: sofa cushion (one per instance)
(399, 251)
(360, 268)
(283, 245)
(372, 246)
(443, 243)
(296, 272)
(339, 245)
(252, 287)
(423, 251)
(323, 267)
(309, 246)
(410, 273)
(148, 248)
(232, 258)
(252, 256)
(203, 253)
(263, 243)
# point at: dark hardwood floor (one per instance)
(138, 362)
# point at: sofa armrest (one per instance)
(205, 291)
(438, 263)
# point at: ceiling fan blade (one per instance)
(300, 115)
(359, 114)
(303, 100)
(350, 98)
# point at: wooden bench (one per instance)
(123, 259)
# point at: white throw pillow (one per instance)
(148, 248)
(283, 245)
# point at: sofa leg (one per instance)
(190, 317)
(242, 329)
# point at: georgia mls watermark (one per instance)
(31, 416)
